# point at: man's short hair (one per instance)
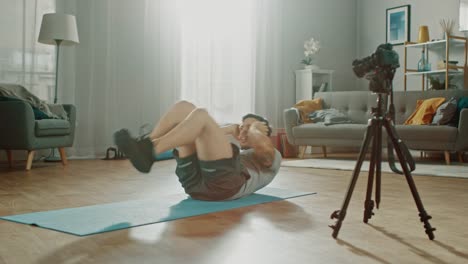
(259, 118)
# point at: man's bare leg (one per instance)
(178, 112)
(199, 128)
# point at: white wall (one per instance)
(333, 23)
(371, 33)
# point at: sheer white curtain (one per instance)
(23, 60)
(136, 58)
(270, 86)
(123, 74)
(232, 57)
(218, 56)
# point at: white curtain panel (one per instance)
(136, 58)
(218, 56)
(23, 60)
(270, 88)
(231, 57)
(116, 79)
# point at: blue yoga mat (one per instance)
(164, 156)
(101, 218)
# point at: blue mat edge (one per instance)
(11, 218)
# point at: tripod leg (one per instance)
(398, 144)
(340, 214)
(378, 154)
(368, 203)
(391, 157)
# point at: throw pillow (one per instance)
(462, 103)
(38, 114)
(306, 107)
(425, 110)
(445, 112)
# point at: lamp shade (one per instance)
(58, 27)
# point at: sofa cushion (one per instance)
(429, 133)
(338, 131)
(425, 110)
(52, 127)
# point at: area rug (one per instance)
(101, 218)
(459, 171)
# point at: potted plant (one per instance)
(438, 84)
(311, 47)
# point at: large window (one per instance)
(22, 59)
(218, 56)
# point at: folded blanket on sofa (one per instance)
(18, 91)
(329, 117)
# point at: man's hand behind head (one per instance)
(251, 131)
(260, 126)
(257, 138)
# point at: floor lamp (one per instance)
(58, 29)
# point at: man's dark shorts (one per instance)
(210, 180)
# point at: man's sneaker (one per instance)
(139, 151)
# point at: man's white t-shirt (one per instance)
(259, 175)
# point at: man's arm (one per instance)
(264, 151)
(232, 129)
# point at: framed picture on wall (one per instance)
(398, 24)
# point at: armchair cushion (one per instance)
(52, 127)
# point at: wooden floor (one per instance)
(290, 231)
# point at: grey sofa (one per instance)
(20, 130)
(357, 105)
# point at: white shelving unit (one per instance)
(444, 45)
(306, 79)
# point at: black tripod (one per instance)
(374, 134)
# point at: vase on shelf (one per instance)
(311, 67)
(422, 63)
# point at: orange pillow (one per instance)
(306, 107)
(425, 111)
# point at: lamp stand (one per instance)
(58, 41)
(53, 155)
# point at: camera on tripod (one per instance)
(378, 68)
